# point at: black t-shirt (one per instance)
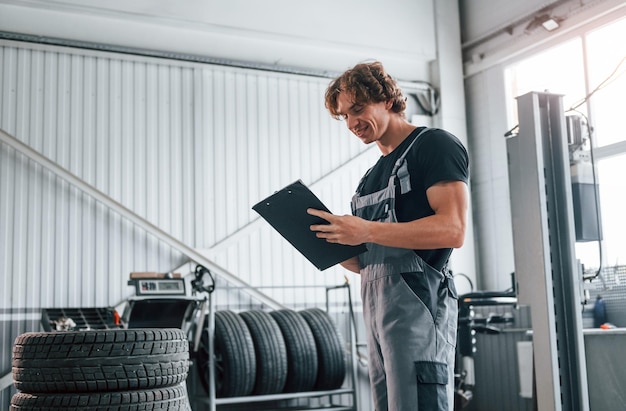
(437, 156)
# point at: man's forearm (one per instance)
(424, 234)
(352, 265)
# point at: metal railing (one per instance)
(141, 222)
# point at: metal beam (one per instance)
(137, 220)
(545, 262)
(6, 381)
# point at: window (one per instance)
(606, 62)
(559, 70)
(593, 65)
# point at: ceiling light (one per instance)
(550, 24)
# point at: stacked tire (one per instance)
(113, 370)
(281, 351)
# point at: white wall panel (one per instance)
(189, 147)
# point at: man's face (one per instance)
(367, 122)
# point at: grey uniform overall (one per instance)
(411, 344)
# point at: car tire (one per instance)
(301, 351)
(99, 360)
(270, 351)
(168, 398)
(235, 361)
(331, 370)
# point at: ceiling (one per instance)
(323, 35)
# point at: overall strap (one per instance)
(362, 181)
(401, 168)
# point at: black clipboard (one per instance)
(285, 210)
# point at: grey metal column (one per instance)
(545, 263)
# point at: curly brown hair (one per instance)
(367, 83)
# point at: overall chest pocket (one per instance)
(380, 211)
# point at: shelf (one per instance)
(200, 397)
(276, 397)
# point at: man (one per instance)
(410, 209)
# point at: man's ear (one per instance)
(388, 104)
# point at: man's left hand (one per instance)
(341, 229)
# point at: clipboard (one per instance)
(285, 210)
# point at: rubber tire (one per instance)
(99, 360)
(235, 360)
(331, 370)
(167, 398)
(301, 351)
(270, 351)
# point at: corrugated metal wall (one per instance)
(189, 147)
